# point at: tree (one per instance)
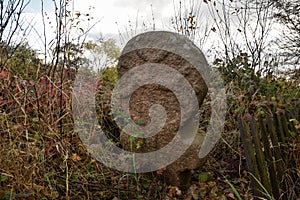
(287, 12)
(188, 21)
(104, 53)
(11, 26)
(244, 27)
(22, 61)
(10, 18)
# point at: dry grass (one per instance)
(41, 157)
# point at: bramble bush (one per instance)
(250, 90)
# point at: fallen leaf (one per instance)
(76, 158)
(231, 195)
(161, 171)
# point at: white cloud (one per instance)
(107, 13)
(144, 6)
(35, 6)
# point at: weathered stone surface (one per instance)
(142, 99)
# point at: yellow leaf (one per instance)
(231, 195)
(211, 183)
(76, 158)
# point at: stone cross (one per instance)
(169, 50)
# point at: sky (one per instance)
(117, 15)
(117, 19)
(109, 17)
(112, 17)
